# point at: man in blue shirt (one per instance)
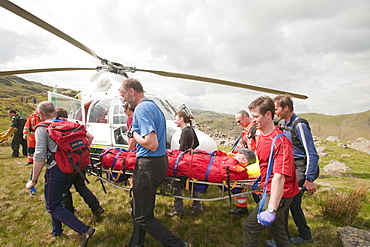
(305, 160)
(149, 132)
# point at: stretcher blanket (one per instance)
(5, 135)
(196, 164)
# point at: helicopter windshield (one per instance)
(166, 107)
(99, 111)
(119, 116)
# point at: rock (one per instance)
(321, 151)
(361, 144)
(335, 168)
(343, 145)
(346, 155)
(351, 237)
(333, 139)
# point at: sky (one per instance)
(317, 48)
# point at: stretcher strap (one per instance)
(268, 173)
(177, 163)
(115, 159)
(209, 165)
(232, 187)
(115, 179)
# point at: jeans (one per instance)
(55, 184)
(148, 174)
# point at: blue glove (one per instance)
(265, 218)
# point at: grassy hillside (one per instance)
(348, 127)
(24, 220)
(14, 88)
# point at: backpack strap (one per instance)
(268, 173)
(76, 167)
(295, 140)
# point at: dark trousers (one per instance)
(178, 186)
(16, 142)
(55, 184)
(295, 207)
(252, 229)
(80, 186)
(148, 174)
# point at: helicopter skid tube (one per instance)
(165, 189)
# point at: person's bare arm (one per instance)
(277, 189)
(149, 141)
(37, 168)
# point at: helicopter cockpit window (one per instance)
(99, 111)
(119, 115)
(165, 107)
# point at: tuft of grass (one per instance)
(344, 207)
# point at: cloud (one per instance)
(319, 49)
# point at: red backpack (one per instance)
(73, 153)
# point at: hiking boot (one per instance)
(28, 163)
(174, 213)
(99, 211)
(269, 243)
(239, 211)
(84, 237)
(298, 240)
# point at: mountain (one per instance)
(348, 127)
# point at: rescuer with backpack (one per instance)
(305, 160)
(78, 181)
(55, 179)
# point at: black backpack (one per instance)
(295, 140)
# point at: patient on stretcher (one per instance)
(213, 167)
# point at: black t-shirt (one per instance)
(188, 139)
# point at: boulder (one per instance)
(321, 151)
(351, 237)
(343, 145)
(333, 139)
(361, 144)
(335, 168)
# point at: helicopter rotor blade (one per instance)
(31, 71)
(222, 82)
(37, 21)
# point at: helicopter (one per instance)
(100, 106)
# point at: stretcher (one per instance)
(5, 135)
(118, 178)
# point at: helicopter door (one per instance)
(74, 107)
(98, 123)
(119, 119)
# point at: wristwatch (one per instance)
(310, 180)
(271, 210)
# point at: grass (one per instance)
(24, 220)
